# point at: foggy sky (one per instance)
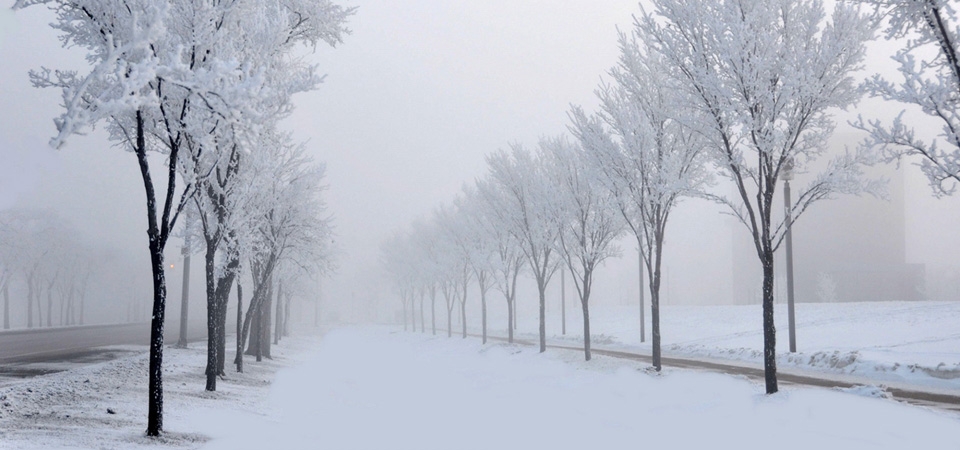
(413, 100)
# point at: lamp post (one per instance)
(185, 292)
(787, 207)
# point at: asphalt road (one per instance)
(60, 343)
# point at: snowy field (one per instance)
(376, 388)
(894, 343)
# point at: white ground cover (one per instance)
(894, 343)
(376, 388)
(373, 389)
(69, 410)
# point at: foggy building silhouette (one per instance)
(847, 249)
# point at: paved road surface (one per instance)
(38, 351)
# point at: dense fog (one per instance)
(413, 102)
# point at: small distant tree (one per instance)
(929, 63)
(493, 221)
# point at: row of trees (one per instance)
(741, 91)
(196, 91)
(41, 251)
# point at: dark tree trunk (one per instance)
(563, 302)
(157, 232)
(423, 325)
(263, 351)
(404, 314)
(286, 316)
(587, 283)
(586, 330)
(278, 326)
(769, 329)
(239, 360)
(213, 313)
(542, 287)
(254, 341)
(155, 389)
(655, 318)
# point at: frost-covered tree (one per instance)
(527, 203)
(763, 77)
(162, 73)
(492, 221)
(457, 242)
(587, 217)
(929, 66)
(642, 152)
(293, 220)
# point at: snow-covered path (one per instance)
(374, 389)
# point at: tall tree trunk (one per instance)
(278, 326)
(563, 302)
(483, 312)
(213, 313)
(254, 340)
(157, 234)
(586, 329)
(404, 314)
(510, 319)
(239, 359)
(263, 351)
(542, 287)
(423, 326)
(286, 316)
(769, 329)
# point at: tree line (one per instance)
(196, 91)
(703, 91)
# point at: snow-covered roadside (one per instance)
(372, 388)
(103, 406)
(903, 343)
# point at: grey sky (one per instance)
(413, 100)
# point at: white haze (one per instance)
(413, 101)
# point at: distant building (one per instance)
(849, 249)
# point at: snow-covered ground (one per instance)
(377, 388)
(906, 343)
(103, 405)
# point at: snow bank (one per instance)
(911, 343)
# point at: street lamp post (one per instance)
(185, 292)
(787, 205)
